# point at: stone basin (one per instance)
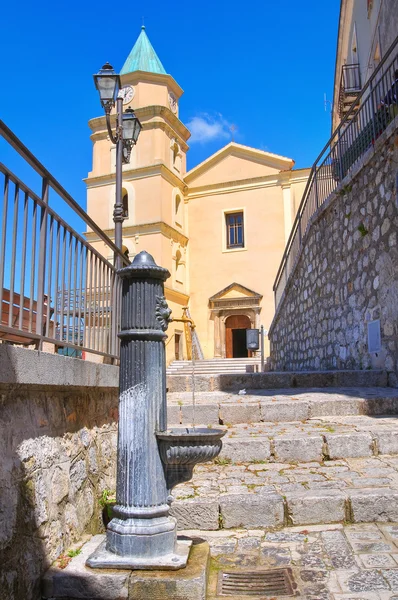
(182, 448)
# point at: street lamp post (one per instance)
(128, 129)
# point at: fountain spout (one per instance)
(184, 320)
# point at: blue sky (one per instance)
(262, 66)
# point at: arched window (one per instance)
(125, 202)
(178, 211)
(176, 156)
(175, 152)
(179, 267)
(178, 258)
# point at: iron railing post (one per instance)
(372, 109)
(340, 156)
(41, 274)
(316, 190)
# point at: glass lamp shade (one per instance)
(131, 126)
(107, 83)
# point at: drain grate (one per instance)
(278, 582)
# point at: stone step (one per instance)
(275, 495)
(217, 360)
(216, 371)
(224, 408)
(275, 380)
(315, 440)
(215, 366)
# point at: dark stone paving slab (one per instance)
(327, 562)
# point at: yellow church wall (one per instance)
(298, 190)
(98, 206)
(213, 267)
(149, 94)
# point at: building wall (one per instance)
(214, 267)
(374, 31)
(58, 449)
(346, 275)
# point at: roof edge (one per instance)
(240, 148)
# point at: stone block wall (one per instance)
(58, 453)
(346, 274)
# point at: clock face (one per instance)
(173, 102)
(127, 93)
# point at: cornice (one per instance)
(145, 229)
(145, 114)
(176, 296)
(155, 170)
(283, 179)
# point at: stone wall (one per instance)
(346, 274)
(58, 427)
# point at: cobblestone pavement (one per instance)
(329, 562)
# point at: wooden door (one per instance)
(234, 322)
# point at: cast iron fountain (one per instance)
(151, 460)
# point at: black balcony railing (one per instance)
(350, 87)
(369, 115)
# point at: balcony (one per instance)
(350, 87)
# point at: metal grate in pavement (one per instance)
(257, 583)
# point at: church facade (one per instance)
(220, 228)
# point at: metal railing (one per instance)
(368, 117)
(54, 286)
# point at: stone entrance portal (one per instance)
(233, 310)
(235, 336)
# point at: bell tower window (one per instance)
(178, 208)
(176, 157)
(125, 202)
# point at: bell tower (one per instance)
(155, 211)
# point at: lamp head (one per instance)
(107, 83)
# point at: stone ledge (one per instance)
(31, 367)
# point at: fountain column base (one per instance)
(102, 558)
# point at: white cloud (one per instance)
(205, 128)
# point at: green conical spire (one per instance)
(143, 57)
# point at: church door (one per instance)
(235, 336)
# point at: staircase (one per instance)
(292, 457)
(215, 366)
